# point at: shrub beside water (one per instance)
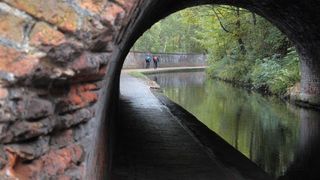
(273, 74)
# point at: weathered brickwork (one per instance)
(12, 27)
(95, 6)
(58, 13)
(58, 58)
(45, 35)
(53, 59)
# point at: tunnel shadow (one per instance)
(147, 151)
(170, 143)
(294, 171)
(307, 159)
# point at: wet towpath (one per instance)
(153, 144)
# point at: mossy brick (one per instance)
(127, 4)
(7, 55)
(56, 12)
(81, 96)
(3, 93)
(112, 13)
(95, 6)
(11, 27)
(15, 62)
(43, 34)
(52, 164)
(92, 26)
(23, 67)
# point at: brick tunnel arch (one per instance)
(293, 19)
(297, 20)
(60, 67)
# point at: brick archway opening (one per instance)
(60, 68)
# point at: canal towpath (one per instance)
(159, 140)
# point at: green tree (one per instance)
(241, 46)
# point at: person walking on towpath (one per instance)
(155, 62)
(148, 60)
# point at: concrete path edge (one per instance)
(213, 144)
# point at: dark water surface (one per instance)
(280, 138)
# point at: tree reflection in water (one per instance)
(273, 134)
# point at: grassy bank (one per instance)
(271, 75)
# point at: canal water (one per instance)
(278, 137)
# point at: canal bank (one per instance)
(292, 94)
(158, 139)
(166, 70)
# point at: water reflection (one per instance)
(307, 160)
(265, 129)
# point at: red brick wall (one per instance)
(53, 59)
